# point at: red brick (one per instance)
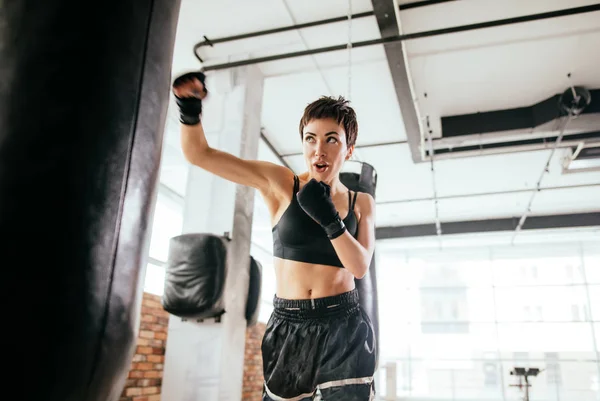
(149, 318)
(150, 390)
(144, 366)
(133, 391)
(156, 358)
(153, 374)
(146, 334)
(135, 374)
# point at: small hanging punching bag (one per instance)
(362, 177)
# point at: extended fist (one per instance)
(189, 90)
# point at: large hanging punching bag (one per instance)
(362, 177)
(83, 102)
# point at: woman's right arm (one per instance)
(254, 173)
(264, 176)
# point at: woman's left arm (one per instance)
(356, 254)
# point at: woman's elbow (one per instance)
(194, 155)
(360, 272)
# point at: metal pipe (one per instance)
(366, 146)
(438, 225)
(211, 42)
(409, 36)
(272, 148)
(545, 170)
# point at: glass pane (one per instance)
(594, 291)
(167, 223)
(435, 271)
(536, 304)
(154, 282)
(456, 304)
(545, 337)
(538, 271)
(394, 339)
(592, 268)
(462, 340)
(456, 379)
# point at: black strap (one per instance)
(296, 185)
(353, 201)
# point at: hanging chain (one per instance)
(349, 47)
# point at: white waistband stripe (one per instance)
(323, 386)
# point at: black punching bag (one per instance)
(362, 177)
(83, 102)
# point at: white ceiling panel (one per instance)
(397, 177)
(403, 214)
(464, 12)
(284, 100)
(288, 66)
(341, 59)
(220, 19)
(565, 201)
(341, 33)
(296, 162)
(493, 173)
(502, 67)
(483, 207)
(314, 10)
(503, 77)
(374, 99)
(230, 17)
(555, 177)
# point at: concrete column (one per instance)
(204, 360)
(390, 381)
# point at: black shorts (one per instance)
(319, 349)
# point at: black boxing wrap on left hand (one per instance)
(315, 199)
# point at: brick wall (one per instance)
(253, 377)
(146, 371)
(145, 374)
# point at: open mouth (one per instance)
(321, 167)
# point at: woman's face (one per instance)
(325, 149)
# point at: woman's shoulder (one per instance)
(365, 204)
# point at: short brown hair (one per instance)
(337, 109)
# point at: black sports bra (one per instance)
(298, 237)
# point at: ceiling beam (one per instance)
(388, 23)
(491, 225)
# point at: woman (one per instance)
(319, 342)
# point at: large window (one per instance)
(167, 223)
(455, 322)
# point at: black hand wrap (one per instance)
(315, 200)
(190, 108)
